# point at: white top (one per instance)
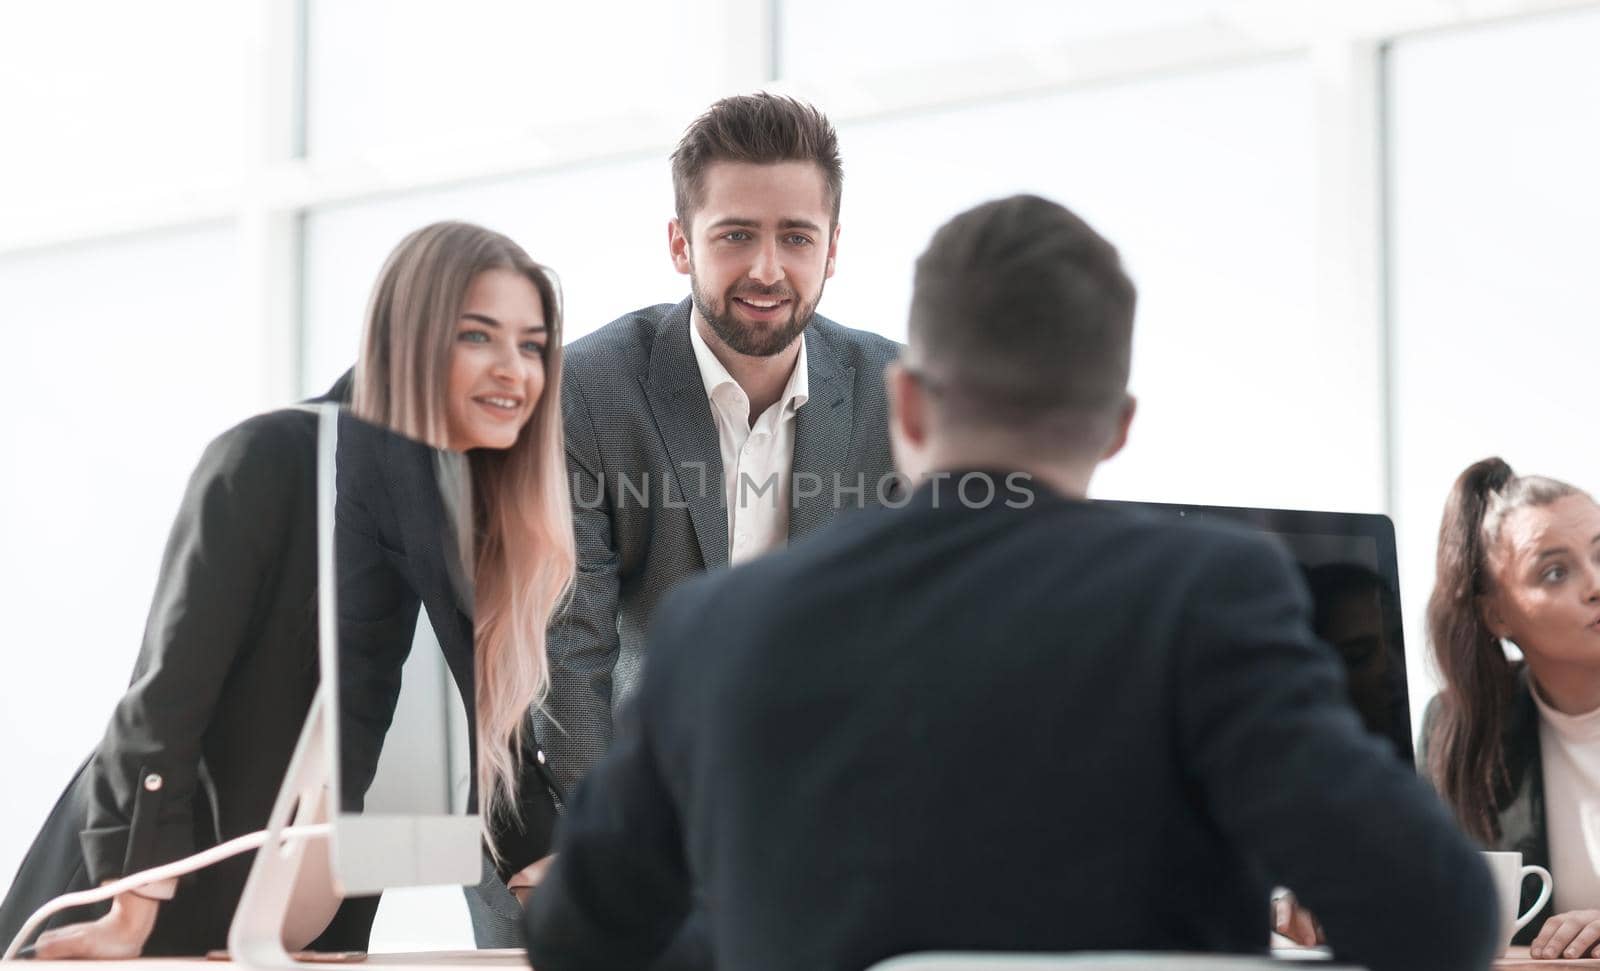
(1569, 747)
(756, 459)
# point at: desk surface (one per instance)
(1517, 959)
(506, 957)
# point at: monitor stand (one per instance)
(289, 894)
(290, 883)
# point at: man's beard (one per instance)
(754, 340)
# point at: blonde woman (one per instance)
(500, 361)
(462, 350)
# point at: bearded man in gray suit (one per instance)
(710, 431)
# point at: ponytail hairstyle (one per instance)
(522, 516)
(1466, 760)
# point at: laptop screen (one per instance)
(1347, 561)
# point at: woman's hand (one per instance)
(121, 933)
(1569, 935)
(1295, 922)
(523, 881)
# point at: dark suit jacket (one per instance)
(1520, 802)
(196, 749)
(229, 667)
(1058, 727)
(646, 476)
(392, 541)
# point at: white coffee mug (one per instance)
(1508, 873)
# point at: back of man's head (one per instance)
(1022, 322)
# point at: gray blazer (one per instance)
(648, 500)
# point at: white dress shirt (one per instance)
(1569, 751)
(756, 459)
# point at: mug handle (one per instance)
(1544, 895)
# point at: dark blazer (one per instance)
(1058, 727)
(392, 541)
(196, 749)
(1520, 802)
(648, 500)
(230, 665)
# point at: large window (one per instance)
(1204, 183)
(829, 40)
(1495, 316)
(468, 76)
(92, 119)
(122, 360)
(603, 229)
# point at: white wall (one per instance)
(417, 75)
(122, 360)
(1496, 316)
(602, 228)
(1203, 180)
(99, 102)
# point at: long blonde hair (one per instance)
(522, 514)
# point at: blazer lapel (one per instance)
(677, 398)
(823, 429)
(419, 510)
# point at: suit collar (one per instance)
(980, 488)
(682, 414)
(824, 429)
(343, 390)
(1521, 796)
(673, 366)
(719, 384)
(408, 468)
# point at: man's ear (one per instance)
(908, 422)
(833, 252)
(678, 246)
(1119, 434)
(908, 408)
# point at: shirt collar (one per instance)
(715, 377)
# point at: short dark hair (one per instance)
(759, 128)
(1022, 317)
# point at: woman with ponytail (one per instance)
(461, 351)
(1514, 746)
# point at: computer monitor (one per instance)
(410, 829)
(392, 525)
(1348, 563)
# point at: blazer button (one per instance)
(541, 756)
(152, 782)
